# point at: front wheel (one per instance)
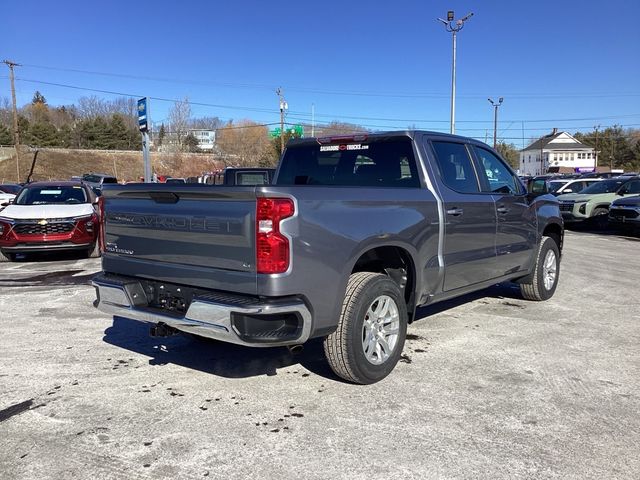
(600, 218)
(542, 283)
(371, 332)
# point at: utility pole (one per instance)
(453, 26)
(495, 119)
(596, 128)
(283, 106)
(16, 132)
(313, 119)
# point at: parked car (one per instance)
(592, 203)
(562, 186)
(50, 216)
(12, 188)
(175, 180)
(97, 180)
(352, 236)
(624, 213)
(5, 198)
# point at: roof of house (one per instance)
(545, 143)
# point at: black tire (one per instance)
(344, 348)
(94, 252)
(533, 287)
(600, 218)
(6, 257)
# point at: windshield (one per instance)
(605, 186)
(556, 185)
(67, 195)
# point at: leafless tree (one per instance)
(179, 118)
(92, 107)
(246, 142)
(338, 128)
(5, 112)
(207, 123)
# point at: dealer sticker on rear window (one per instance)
(343, 147)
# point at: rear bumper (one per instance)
(212, 314)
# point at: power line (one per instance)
(304, 115)
(329, 92)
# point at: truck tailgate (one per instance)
(197, 234)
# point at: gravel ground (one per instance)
(490, 386)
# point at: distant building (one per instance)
(206, 138)
(558, 151)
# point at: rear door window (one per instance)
(382, 163)
(455, 166)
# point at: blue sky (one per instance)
(383, 65)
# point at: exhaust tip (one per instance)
(295, 349)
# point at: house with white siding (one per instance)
(558, 151)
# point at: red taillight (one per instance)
(272, 248)
(101, 224)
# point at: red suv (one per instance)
(48, 216)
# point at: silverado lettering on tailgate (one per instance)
(176, 223)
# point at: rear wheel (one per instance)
(372, 329)
(542, 283)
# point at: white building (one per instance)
(558, 151)
(206, 138)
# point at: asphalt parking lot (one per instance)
(489, 387)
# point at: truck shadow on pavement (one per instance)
(213, 357)
(503, 291)
(234, 361)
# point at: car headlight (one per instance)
(4, 226)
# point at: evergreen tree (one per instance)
(161, 134)
(38, 98)
(6, 138)
(65, 136)
(190, 143)
(43, 134)
(116, 136)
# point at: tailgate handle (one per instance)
(164, 197)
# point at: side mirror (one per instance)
(621, 192)
(538, 187)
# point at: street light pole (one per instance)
(495, 119)
(453, 26)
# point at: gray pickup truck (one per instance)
(353, 235)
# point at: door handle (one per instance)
(454, 211)
(502, 210)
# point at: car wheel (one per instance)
(6, 257)
(542, 283)
(371, 332)
(600, 218)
